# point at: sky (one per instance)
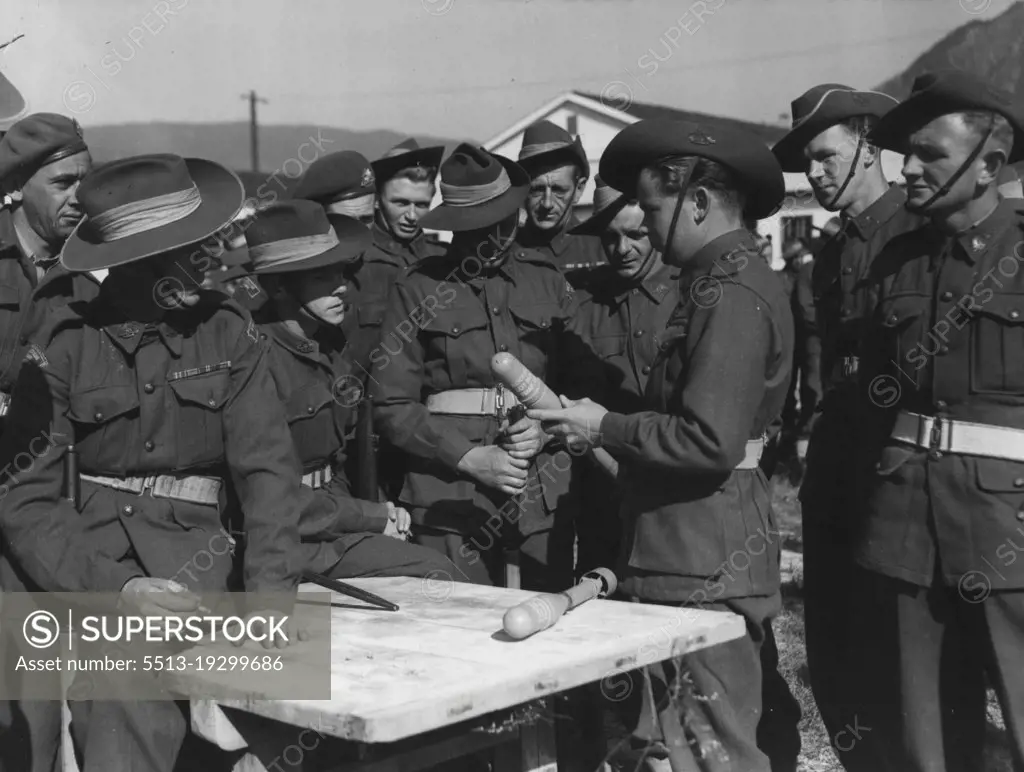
(461, 69)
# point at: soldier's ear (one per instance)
(581, 185)
(994, 161)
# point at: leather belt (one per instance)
(318, 478)
(194, 489)
(472, 401)
(963, 437)
(5, 403)
(752, 459)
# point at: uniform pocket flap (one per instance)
(371, 314)
(307, 402)
(208, 391)
(536, 315)
(896, 311)
(99, 406)
(609, 345)
(9, 295)
(455, 321)
(999, 475)
(1007, 307)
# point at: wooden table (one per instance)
(438, 679)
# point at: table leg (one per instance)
(536, 750)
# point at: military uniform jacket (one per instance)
(575, 254)
(625, 325)
(367, 293)
(319, 390)
(191, 394)
(697, 529)
(947, 340)
(844, 300)
(26, 307)
(445, 321)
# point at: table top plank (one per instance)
(443, 657)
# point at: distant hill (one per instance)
(228, 143)
(993, 49)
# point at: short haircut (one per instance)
(1002, 132)
(716, 177)
(416, 174)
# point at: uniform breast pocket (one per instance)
(997, 345)
(370, 313)
(102, 418)
(535, 322)
(460, 337)
(609, 346)
(200, 402)
(310, 414)
(903, 319)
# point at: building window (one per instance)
(796, 228)
(573, 125)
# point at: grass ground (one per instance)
(816, 754)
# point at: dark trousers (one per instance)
(778, 732)
(379, 555)
(704, 708)
(944, 645)
(844, 651)
(29, 735)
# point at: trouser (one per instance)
(943, 645)
(702, 709)
(843, 649)
(598, 527)
(139, 736)
(778, 732)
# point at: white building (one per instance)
(596, 122)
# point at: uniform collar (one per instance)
(884, 208)
(715, 257)
(302, 347)
(558, 243)
(975, 240)
(405, 253)
(128, 335)
(656, 285)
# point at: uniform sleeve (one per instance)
(43, 531)
(396, 386)
(337, 512)
(264, 469)
(808, 339)
(728, 346)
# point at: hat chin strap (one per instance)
(955, 177)
(679, 209)
(849, 176)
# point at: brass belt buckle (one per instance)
(935, 438)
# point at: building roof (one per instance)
(641, 111)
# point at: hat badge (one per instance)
(700, 138)
(367, 178)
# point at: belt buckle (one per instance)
(935, 436)
(499, 401)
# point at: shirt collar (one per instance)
(298, 345)
(392, 247)
(714, 256)
(655, 285)
(975, 240)
(878, 214)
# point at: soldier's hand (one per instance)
(399, 522)
(148, 596)
(272, 635)
(495, 468)
(524, 439)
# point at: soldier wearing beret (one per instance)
(943, 433)
(304, 261)
(43, 158)
(698, 523)
(623, 313)
(166, 394)
(559, 170)
(828, 143)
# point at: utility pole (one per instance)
(254, 139)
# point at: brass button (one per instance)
(845, 313)
(310, 410)
(544, 323)
(521, 254)
(946, 296)
(1019, 482)
(149, 445)
(893, 319)
(847, 270)
(97, 416)
(148, 388)
(495, 310)
(1020, 516)
(943, 350)
(128, 510)
(646, 369)
(502, 347)
(1015, 314)
(263, 336)
(211, 402)
(638, 334)
(977, 243)
(935, 455)
(456, 329)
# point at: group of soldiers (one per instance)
(323, 399)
